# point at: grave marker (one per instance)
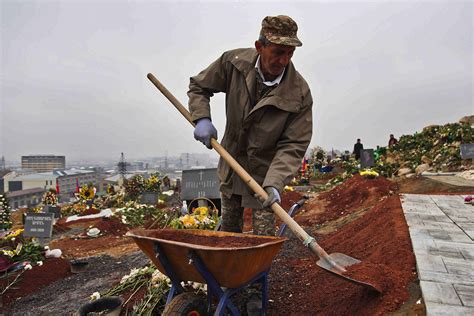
(367, 158)
(39, 225)
(198, 183)
(467, 151)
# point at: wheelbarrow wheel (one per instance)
(186, 304)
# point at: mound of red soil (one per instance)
(354, 194)
(289, 198)
(90, 211)
(379, 238)
(32, 280)
(112, 226)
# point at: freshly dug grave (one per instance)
(66, 295)
(379, 238)
(356, 193)
(32, 280)
(79, 245)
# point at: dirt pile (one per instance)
(32, 280)
(379, 238)
(356, 194)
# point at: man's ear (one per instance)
(258, 46)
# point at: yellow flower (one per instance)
(15, 233)
(288, 188)
(188, 221)
(12, 253)
(87, 192)
(369, 173)
(201, 211)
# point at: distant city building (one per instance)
(43, 163)
(70, 180)
(18, 182)
(25, 198)
(3, 174)
(66, 181)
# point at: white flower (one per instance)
(28, 267)
(95, 296)
(40, 263)
(124, 278)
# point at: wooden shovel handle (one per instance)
(279, 211)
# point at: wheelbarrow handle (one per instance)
(277, 209)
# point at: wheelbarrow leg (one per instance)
(175, 281)
(213, 285)
(264, 281)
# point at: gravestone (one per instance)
(367, 158)
(150, 198)
(197, 183)
(39, 225)
(467, 151)
(56, 210)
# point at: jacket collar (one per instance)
(286, 96)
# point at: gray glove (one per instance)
(204, 131)
(273, 196)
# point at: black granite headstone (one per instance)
(198, 183)
(39, 225)
(367, 158)
(467, 151)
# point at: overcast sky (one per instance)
(73, 73)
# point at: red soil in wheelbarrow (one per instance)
(209, 240)
(379, 239)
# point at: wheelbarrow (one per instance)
(226, 262)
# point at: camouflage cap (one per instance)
(280, 29)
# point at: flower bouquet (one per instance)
(86, 195)
(134, 187)
(151, 188)
(199, 218)
(87, 192)
(50, 201)
(5, 222)
(50, 198)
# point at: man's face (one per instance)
(274, 58)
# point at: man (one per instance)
(357, 149)
(392, 141)
(269, 120)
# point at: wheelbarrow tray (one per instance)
(233, 264)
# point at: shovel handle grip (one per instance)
(279, 211)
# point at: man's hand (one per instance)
(273, 196)
(204, 131)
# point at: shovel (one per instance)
(335, 263)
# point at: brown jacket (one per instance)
(270, 138)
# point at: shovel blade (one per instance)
(333, 260)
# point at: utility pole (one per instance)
(122, 169)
